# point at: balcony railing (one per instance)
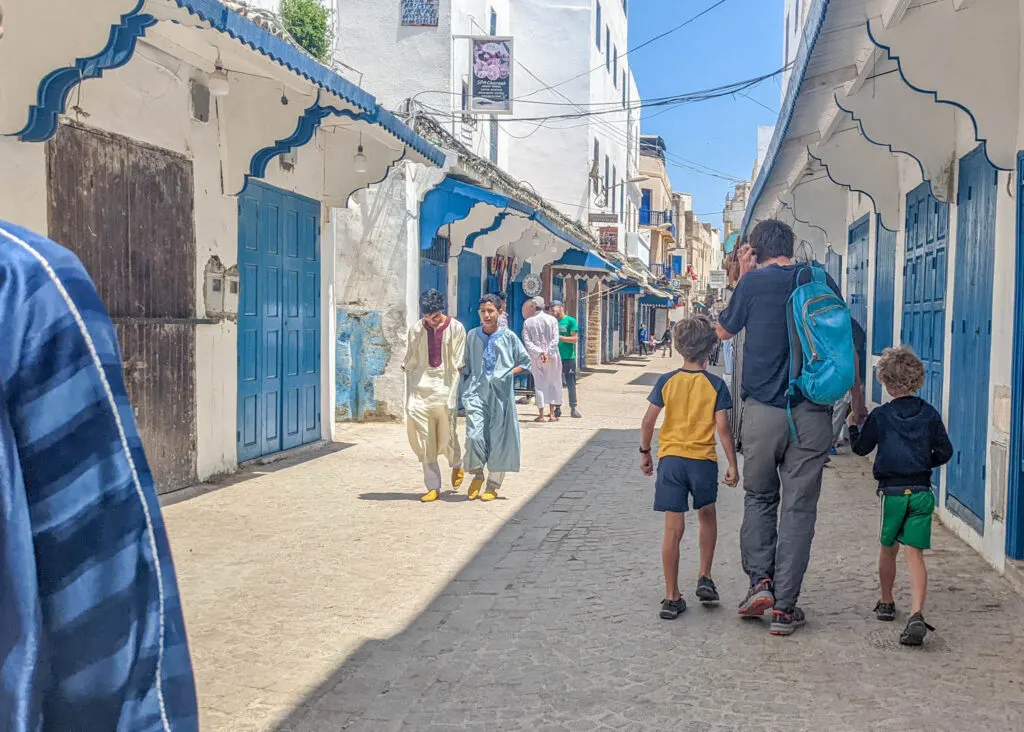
(661, 271)
(655, 218)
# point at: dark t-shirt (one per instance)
(759, 304)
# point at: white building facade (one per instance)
(896, 160)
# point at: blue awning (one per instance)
(453, 199)
(632, 290)
(582, 260)
(658, 302)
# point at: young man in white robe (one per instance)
(433, 370)
(540, 336)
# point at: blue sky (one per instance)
(738, 40)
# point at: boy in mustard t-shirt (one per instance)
(695, 404)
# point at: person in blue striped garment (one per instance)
(92, 637)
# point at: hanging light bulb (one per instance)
(218, 83)
(359, 162)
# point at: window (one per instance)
(598, 27)
(625, 6)
(465, 95)
(607, 49)
(611, 193)
(787, 39)
(607, 172)
(796, 20)
(597, 166)
(494, 23)
(615, 67)
(419, 12)
(625, 91)
(645, 199)
(494, 140)
(622, 204)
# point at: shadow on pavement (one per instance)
(648, 379)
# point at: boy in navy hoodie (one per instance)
(911, 442)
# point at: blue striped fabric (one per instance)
(91, 632)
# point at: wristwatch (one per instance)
(645, 452)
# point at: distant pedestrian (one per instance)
(786, 437)
(643, 336)
(665, 344)
(494, 356)
(911, 442)
(92, 636)
(433, 371)
(696, 403)
(568, 336)
(540, 336)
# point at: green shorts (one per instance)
(907, 519)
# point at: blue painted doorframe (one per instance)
(1015, 492)
(581, 322)
(278, 321)
(884, 299)
(971, 337)
(469, 289)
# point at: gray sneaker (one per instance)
(785, 622)
(575, 414)
(760, 598)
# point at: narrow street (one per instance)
(322, 595)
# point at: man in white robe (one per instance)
(433, 370)
(540, 336)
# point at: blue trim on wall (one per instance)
(56, 86)
(806, 223)
(1015, 478)
(934, 94)
(847, 186)
(815, 20)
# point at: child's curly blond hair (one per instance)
(900, 371)
(695, 338)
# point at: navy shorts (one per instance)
(679, 477)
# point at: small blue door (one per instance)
(469, 289)
(278, 321)
(581, 323)
(857, 280)
(605, 339)
(834, 266)
(972, 336)
(885, 298)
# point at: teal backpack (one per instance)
(821, 355)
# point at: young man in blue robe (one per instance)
(494, 356)
(91, 631)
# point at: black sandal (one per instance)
(672, 609)
(885, 611)
(916, 630)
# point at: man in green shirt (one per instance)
(568, 337)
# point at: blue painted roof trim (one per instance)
(583, 259)
(815, 20)
(452, 200)
(52, 96)
(56, 86)
(658, 302)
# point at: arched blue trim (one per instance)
(847, 186)
(890, 148)
(52, 95)
(805, 223)
(494, 226)
(304, 131)
(934, 94)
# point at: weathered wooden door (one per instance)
(126, 210)
(434, 266)
(972, 337)
(278, 321)
(857, 280)
(470, 287)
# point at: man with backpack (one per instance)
(787, 395)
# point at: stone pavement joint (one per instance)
(324, 596)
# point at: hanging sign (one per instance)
(608, 238)
(717, 279)
(490, 75)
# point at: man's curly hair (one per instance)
(695, 338)
(901, 371)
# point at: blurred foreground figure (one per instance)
(91, 631)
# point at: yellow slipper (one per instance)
(458, 474)
(429, 496)
(474, 488)
(489, 495)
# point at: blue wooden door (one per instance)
(972, 336)
(923, 326)
(581, 323)
(278, 321)
(434, 266)
(834, 266)
(857, 280)
(470, 288)
(605, 337)
(885, 298)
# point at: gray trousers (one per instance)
(774, 546)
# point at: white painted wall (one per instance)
(146, 102)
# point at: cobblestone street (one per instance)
(322, 595)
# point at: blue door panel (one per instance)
(470, 288)
(857, 280)
(581, 322)
(885, 289)
(279, 321)
(924, 278)
(972, 336)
